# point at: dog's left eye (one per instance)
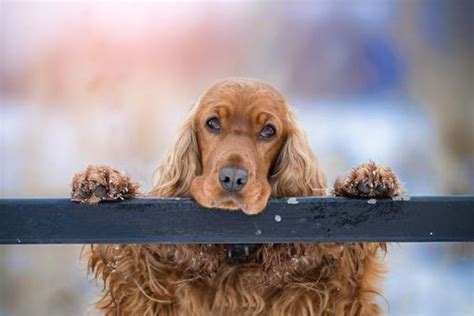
(267, 132)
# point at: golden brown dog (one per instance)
(240, 145)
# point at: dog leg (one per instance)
(102, 183)
(369, 180)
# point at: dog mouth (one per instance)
(251, 200)
(230, 201)
(237, 203)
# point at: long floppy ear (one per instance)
(181, 164)
(296, 171)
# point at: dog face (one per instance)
(240, 131)
(240, 145)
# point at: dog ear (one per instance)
(181, 164)
(296, 171)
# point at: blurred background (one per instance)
(101, 82)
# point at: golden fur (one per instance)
(278, 279)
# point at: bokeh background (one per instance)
(108, 82)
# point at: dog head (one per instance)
(240, 145)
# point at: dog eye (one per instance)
(213, 124)
(267, 132)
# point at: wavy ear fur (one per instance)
(296, 171)
(181, 164)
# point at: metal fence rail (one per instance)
(313, 219)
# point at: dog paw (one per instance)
(369, 180)
(102, 183)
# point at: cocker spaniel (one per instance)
(240, 145)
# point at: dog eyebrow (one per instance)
(268, 116)
(220, 109)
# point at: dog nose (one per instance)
(233, 179)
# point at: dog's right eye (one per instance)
(213, 124)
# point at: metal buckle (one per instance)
(240, 253)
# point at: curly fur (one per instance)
(283, 279)
(280, 279)
(181, 164)
(297, 172)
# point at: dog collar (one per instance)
(240, 253)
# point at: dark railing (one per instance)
(312, 219)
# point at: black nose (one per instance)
(233, 179)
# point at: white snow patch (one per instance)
(372, 201)
(292, 200)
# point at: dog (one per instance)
(240, 145)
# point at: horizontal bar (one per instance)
(309, 219)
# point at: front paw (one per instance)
(369, 180)
(102, 183)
